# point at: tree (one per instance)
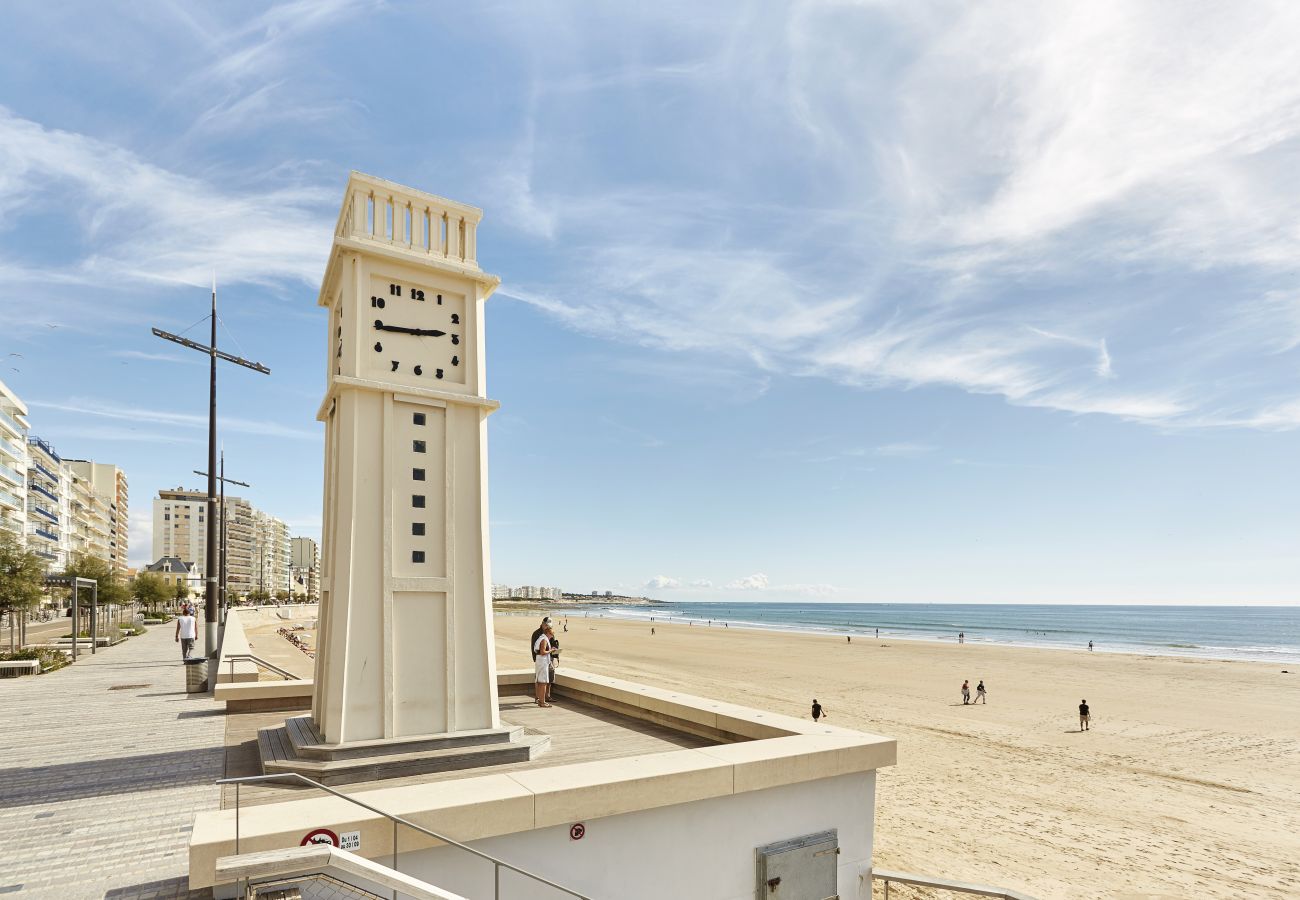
(258, 595)
(150, 590)
(112, 592)
(182, 590)
(281, 596)
(22, 575)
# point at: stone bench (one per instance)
(11, 668)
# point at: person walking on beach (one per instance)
(817, 711)
(542, 669)
(1089, 646)
(187, 629)
(965, 692)
(1085, 715)
(981, 695)
(652, 630)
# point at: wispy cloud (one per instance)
(998, 264)
(153, 415)
(663, 583)
(143, 224)
(904, 449)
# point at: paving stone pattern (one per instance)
(99, 783)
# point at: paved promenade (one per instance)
(103, 765)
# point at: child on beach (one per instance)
(965, 692)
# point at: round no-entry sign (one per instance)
(577, 831)
(321, 836)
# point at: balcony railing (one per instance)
(14, 450)
(11, 474)
(48, 535)
(11, 499)
(44, 445)
(41, 489)
(44, 471)
(11, 525)
(36, 507)
(12, 423)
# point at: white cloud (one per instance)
(993, 180)
(702, 583)
(904, 449)
(663, 583)
(146, 224)
(755, 582)
(157, 416)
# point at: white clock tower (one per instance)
(405, 628)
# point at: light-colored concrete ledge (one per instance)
(760, 750)
(258, 696)
(298, 861)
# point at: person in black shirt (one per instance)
(817, 711)
(1085, 715)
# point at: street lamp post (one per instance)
(223, 603)
(210, 606)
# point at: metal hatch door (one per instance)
(802, 868)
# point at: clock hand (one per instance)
(431, 332)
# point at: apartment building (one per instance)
(275, 556)
(13, 463)
(257, 544)
(60, 507)
(109, 486)
(49, 499)
(180, 528)
(526, 592)
(306, 568)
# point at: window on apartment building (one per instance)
(167, 517)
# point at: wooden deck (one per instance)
(579, 733)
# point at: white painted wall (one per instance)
(692, 851)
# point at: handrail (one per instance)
(396, 820)
(257, 660)
(945, 884)
(324, 876)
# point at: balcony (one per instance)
(39, 442)
(44, 471)
(36, 507)
(13, 449)
(12, 424)
(42, 490)
(10, 499)
(11, 475)
(48, 535)
(11, 525)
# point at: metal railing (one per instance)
(13, 474)
(944, 884)
(45, 445)
(12, 422)
(42, 489)
(257, 660)
(498, 864)
(44, 471)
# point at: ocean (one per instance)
(1266, 633)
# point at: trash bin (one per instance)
(196, 675)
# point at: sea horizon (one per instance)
(1257, 632)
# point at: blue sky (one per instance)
(923, 301)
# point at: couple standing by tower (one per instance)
(546, 659)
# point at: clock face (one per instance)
(413, 333)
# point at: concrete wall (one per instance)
(703, 849)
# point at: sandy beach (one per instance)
(1187, 785)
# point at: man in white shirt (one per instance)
(186, 630)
